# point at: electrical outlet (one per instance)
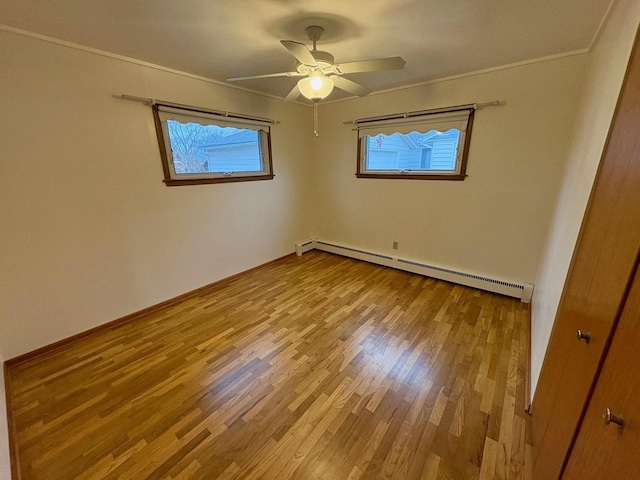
(395, 245)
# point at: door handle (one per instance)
(609, 417)
(586, 336)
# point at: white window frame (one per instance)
(461, 120)
(163, 113)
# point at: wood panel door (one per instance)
(609, 451)
(594, 292)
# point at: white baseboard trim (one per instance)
(522, 291)
(305, 247)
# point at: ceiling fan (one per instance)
(320, 72)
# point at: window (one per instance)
(199, 147)
(432, 146)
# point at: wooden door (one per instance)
(608, 451)
(598, 279)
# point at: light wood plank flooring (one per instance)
(318, 367)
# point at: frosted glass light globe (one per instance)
(315, 88)
(316, 83)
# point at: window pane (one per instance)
(213, 149)
(431, 151)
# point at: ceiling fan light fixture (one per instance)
(316, 83)
(315, 87)
(320, 71)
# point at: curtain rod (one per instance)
(417, 113)
(222, 113)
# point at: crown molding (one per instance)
(507, 66)
(123, 58)
(603, 23)
(135, 61)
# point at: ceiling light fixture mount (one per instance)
(314, 32)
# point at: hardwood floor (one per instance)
(316, 367)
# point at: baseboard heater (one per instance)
(523, 291)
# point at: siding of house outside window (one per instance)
(405, 151)
(234, 153)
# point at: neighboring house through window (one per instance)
(199, 147)
(427, 146)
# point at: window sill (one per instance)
(401, 176)
(204, 181)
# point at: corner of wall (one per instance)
(112, 215)
(5, 463)
(605, 73)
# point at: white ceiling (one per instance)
(229, 38)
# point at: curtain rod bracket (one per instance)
(494, 103)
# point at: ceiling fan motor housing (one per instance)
(324, 59)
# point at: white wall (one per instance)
(607, 65)
(90, 231)
(493, 223)
(5, 466)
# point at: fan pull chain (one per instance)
(315, 118)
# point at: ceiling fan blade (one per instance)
(350, 86)
(300, 51)
(391, 63)
(267, 75)
(293, 94)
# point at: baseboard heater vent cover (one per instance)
(523, 291)
(468, 275)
